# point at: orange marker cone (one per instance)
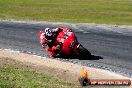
(84, 73)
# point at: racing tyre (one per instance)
(83, 53)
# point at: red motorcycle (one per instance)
(69, 46)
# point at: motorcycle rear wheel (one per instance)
(83, 53)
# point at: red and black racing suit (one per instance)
(53, 45)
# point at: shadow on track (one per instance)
(93, 57)
(85, 54)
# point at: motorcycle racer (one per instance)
(48, 37)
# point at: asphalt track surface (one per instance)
(114, 45)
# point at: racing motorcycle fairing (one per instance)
(66, 45)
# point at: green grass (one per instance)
(13, 76)
(84, 11)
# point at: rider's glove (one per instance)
(56, 47)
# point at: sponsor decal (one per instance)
(85, 80)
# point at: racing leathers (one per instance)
(53, 45)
